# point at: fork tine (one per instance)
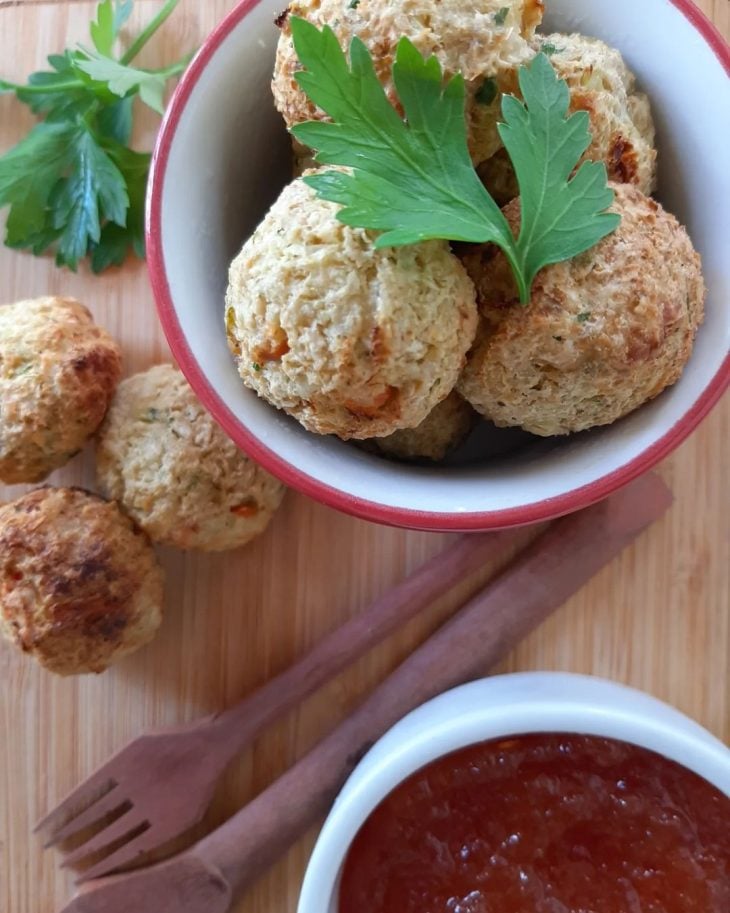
(96, 787)
(121, 829)
(122, 857)
(110, 802)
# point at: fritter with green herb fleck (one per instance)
(603, 333)
(174, 470)
(621, 123)
(484, 40)
(346, 338)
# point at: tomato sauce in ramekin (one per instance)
(544, 824)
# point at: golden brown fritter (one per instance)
(621, 122)
(58, 372)
(80, 585)
(484, 40)
(443, 429)
(346, 338)
(175, 471)
(603, 333)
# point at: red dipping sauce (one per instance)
(544, 824)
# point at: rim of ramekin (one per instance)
(535, 512)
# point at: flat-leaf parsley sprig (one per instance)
(73, 185)
(412, 178)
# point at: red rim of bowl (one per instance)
(295, 478)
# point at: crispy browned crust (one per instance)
(49, 412)
(282, 18)
(79, 584)
(532, 15)
(603, 333)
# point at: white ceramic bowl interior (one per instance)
(223, 158)
(533, 702)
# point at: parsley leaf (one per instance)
(102, 29)
(28, 175)
(421, 166)
(72, 184)
(110, 19)
(500, 17)
(123, 80)
(562, 216)
(61, 186)
(122, 12)
(116, 240)
(94, 191)
(116, 121)
(54, 92)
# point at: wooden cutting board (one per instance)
(659, 618)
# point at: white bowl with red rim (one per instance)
(223, 157)
(496, 708)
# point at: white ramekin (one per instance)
(489, 709)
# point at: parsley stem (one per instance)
(71, 85)
(175, 69)
(56, 87)
(144, 36)
(512, 254)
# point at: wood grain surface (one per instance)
(658, 618)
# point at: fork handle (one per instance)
(557, 565)
(234, 729)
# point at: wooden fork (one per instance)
(210, 876)
(161, 784)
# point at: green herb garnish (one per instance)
(23, 368)
(353, 4)
(584, 317)
(413, 179)
(73, 184)
(500, 17)
(487, 92)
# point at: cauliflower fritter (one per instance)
(174, 470)
(621, 122)
(80, 586)
(443, 429)
(603, 333)
(484, 40)
(58, 371)
(348, 339)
